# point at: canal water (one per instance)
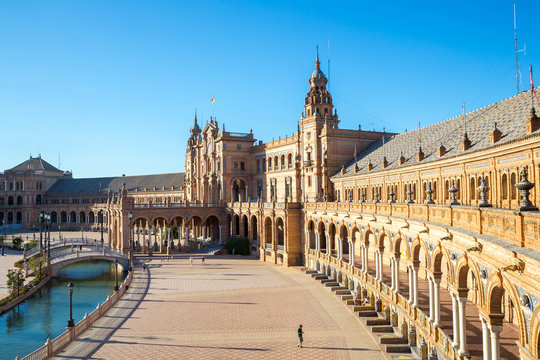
(45, 314)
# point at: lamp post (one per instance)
(4, 236)
(116, 275)
(101, 222)
(48, 233)
(41, 233)
(59, 230)
(130, 255)
(70, 321)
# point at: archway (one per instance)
(332, 240)
(311, 235)
(245, 226)
(344, 243)
(268, 233)
(280, 228)
(322, 237)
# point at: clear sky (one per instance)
(112, 86)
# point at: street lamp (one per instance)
(116, 274)
(48, 223)
(41, 233)
(130, 255)
(101, 222)
(4, 236)
(70, 321)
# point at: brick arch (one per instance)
(367, 231)
(384, 237)
(496, 285)
(139, 217)
(534, 338)
(436, 260)
(219, 218)
(415, 251)
(462, 272)
(158, 217)
(399, 241)
(342, 227)
(354, 229)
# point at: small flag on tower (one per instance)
(213, 100)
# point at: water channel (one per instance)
(27, 326)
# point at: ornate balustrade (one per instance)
(520, 228)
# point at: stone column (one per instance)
(220, 241)
(204, 232)
(186, 233)
(169, 245)
(436, 302)
(462, 302)
(396, 274)
(144, 241)
(317, 238)
(340, 248)
(380, 266)
(179, 231)
(455, 320)
(232, 191)
(362, 263)
(246, 199)
(392, 273)
(431, 302)
(351, 253)
(365, 260)
(328, 249)
(486, 344)
(495, 343)
(377, 265)
(415, 285)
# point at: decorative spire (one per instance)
(317, 62)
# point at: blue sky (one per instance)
(112, 86)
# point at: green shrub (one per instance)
(32, 244)
(16, 243)
(240, 244)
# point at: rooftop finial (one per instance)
(195, 116)
(317, 62)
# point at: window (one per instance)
(258, 165)
(309, 181)
(242, 166)
(289, 160)
(235, 165)
(282, 162)
(269, 164)
(504, 186)
(238, 147)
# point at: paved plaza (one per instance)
(229, 308)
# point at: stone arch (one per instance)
(311, 235)
(321, 229)
(344, 241)
(463, 267)
(268, 231)
(367, 232)
(437, 256)
(254, 228)
(415, 251)
(400, 240)
(245, 226)
(280, 231)
(332, 239)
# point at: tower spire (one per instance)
(317, 62)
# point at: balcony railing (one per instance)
(268, 246)
(281, 247)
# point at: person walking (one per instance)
(202, 260)
(191, 260)
(300, 336)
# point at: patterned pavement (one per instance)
(229, 308)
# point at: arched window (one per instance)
(289, 160)
(513, 190)
(282, 162)
(269, 164)
(19, 200)
(258, 165)
(264, 164)
(276, 163)
(504, 186)
(38, 199)
(10, 200)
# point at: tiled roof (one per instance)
(95, 185)
(35, 164)
(510, 116)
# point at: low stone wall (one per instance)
(24, 296)
(51, 347)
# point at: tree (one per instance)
(36, 266)
(17, 243)
(15, 281)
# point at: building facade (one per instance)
(438, 226)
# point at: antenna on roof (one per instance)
(328, 64)
(516, 51)
(59, 161)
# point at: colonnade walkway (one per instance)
(228, 308)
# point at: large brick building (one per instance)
(442, 234)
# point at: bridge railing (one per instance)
(61, 243)
(52, 347)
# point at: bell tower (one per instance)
(318, 102)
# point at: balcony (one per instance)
(308, 163)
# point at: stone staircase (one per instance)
(389, 336)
